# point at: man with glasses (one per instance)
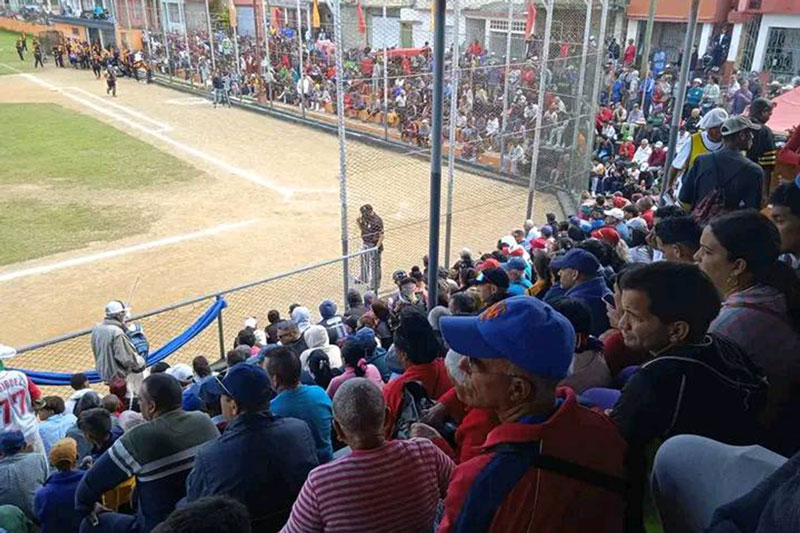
(727, 170)
(550, 461)
(262, 459)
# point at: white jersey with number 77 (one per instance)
(16, 402)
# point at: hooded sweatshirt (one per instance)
(591, 293)
(301, 317)
(316, 338)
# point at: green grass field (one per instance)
(8, 53)
(51, 158)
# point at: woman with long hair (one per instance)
(761, 308)
(544, 276)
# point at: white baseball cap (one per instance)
(7, 352)
(714, 118)
(615, 212)
(114, 307)
(250, 322)
(182, 372)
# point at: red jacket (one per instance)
(543, 500)
(433, 377)
(475, 425)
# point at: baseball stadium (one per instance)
(438, 214)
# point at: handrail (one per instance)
(86, 331)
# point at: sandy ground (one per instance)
(276, 180)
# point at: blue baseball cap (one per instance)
(247, 384)
(522, 329)
(578, 259)
(11, 442)
(515, 263)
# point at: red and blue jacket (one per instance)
(562, 474)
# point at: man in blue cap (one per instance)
(262, 459)
(518, 283)
(581, 277)
(550, 461)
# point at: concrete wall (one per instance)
(767, 22)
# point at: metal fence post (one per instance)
(578, 108)
(451, 143)
(537, 133)
(211, 38)
(300, 64)
(598, 77)
(220, 332)
(436, 152)
(339, 58)
(385, 80)
(505, 86)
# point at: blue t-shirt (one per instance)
(312, 405)
(519, 287)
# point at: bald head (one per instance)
(358, 406)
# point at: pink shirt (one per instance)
(392, 488)
(372, 374)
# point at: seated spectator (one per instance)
(130, 419)
(518, 283)
(759, 492)
(474, 423)
(261, 460)
(417, 351)
(22, 471)
(434, 316)
(80, 384)
(302, 317)
(355, 304)
(373, 354)
(289, 335)
(581, 278)
(330, 320)
(98, 430)
(119, 388)
(238, 355)
(190, 399)
(355, 366)
(210, 393)
(462, 303)
(159, 453)
(13, 520)
(55, 501)
(54, 422)
(215, 514)
(493, 284)
(588, 368)
(87, 401)
(112, 404)
(678, 238)
(697, 383)
(316, 338)
(402, 480)
(308, 403)
(160, 367)
(760, 312)
(274, 318)
(383, 330)
(516, 353)
(785, 214)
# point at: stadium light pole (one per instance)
(537, 133)
(451, 143)
(436, 152)
(677, 110)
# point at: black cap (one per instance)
(495, 276)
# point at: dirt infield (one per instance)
(269, 184)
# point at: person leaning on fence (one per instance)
(372, 234)
(114, 353)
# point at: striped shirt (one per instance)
(392, 488)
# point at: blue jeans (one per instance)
(111, 523)
(693, 475)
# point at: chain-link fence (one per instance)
(309, 285)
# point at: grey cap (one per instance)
(737, 124)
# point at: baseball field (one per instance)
(158, 190)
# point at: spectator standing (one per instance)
(54, 422)
(18, 394)
(308, 403)
(581, 278)
(284, 449)
(372, 234)
(402, 480)
(760, 312)
(516, 353)
(54, 502)
(160, 453)
(739, 180)
(708, 140)
(630, 54)
(741, 98)
(22, 471)
(763, 151)
(114, 353)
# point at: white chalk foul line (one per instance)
(126, 110)
(286, 192)
(44, 269)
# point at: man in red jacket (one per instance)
(550, 465)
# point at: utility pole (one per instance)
(648, 36)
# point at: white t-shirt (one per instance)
(16, 404)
